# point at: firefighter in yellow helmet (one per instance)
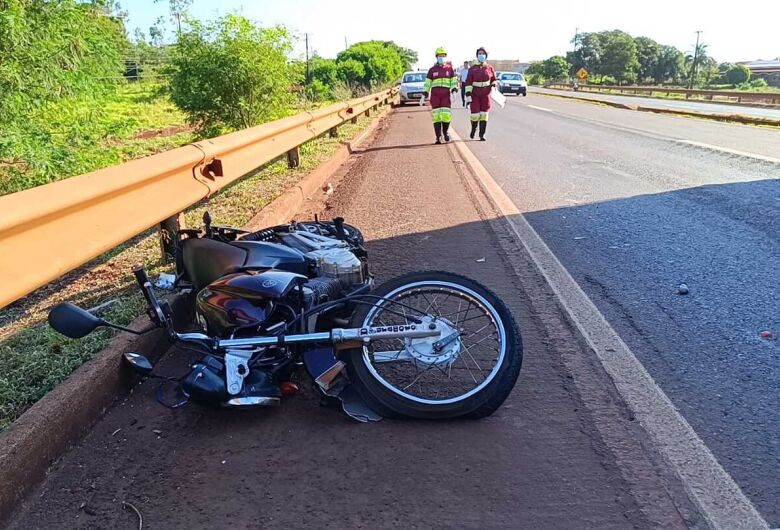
(439, 84)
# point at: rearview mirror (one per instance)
(138, 363)
(72, 321)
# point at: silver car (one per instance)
(512, 83)
(412, 84)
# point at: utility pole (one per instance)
(307, 58)
(346, 45)
(695, 61)
(576, 36)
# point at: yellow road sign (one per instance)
(582, 73)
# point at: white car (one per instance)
(512, 83)
(412, 84)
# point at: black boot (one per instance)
(482, 129)
(473, 129)
(446, 129)
(437, 129)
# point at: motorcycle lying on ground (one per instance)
(427, 345)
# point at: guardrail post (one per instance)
(334, 132)
(294, 158)
(354, 120)
(368, 113)
(169, 236)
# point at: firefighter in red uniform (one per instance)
(440, 83)
(479, 82)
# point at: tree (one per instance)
(178, 10)
(231, 74)
(351, 72)
(670, 66)
(381, 64)
(692, 62)
(619, 56)
(648, 54)
(408, 56)
(535, 68)
(708, 71)
(556, 68)
(157, 32)
(588, 54)
(737, 74)
(324, 70)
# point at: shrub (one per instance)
(758, 83)
(230, 74)
(738, 74)
(379, 64)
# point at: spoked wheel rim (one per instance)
(443, 370)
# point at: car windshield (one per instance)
(414, 78)
(512, 77)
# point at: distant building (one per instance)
(768, 70)
(508, 65)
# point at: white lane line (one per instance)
(730, 151)
(719, 499)
(701, 145)
(538, 108)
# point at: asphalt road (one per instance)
(562, 449)
(691, 106)
(636, 204)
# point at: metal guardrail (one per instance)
(52, 229)
(765, 98)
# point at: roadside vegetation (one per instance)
(617, 58)
(73, 102)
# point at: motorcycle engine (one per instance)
(332, 257)
(339, 264)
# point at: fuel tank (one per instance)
(204, 260)
(242, 300)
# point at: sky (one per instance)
(526, 31)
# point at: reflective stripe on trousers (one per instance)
(442, 115)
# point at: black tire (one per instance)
(479, 405)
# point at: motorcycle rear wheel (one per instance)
(470, 377)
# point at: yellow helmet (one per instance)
(440, 51)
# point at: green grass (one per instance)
(33, 361)
(84, 134)
(33, 358)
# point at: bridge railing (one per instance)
(738, 96)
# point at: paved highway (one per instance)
(636, 204)
(563, 448)
(690, 106)
(632, 205)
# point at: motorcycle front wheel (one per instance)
(466, 372)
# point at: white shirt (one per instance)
(463, 73)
